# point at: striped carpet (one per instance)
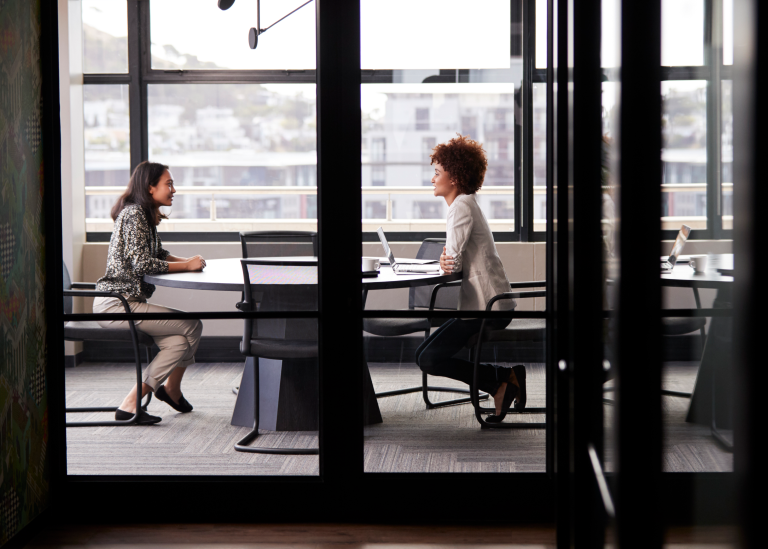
(411, 439)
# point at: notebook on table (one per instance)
(407, 266)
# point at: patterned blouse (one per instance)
(134, 250)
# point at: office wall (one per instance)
(24, 468)
(522, 261)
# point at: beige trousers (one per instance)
(177, 339)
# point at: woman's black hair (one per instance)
(146, 175)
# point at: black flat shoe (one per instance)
(510, 393)
(144, 417)
(522, 398)
(182, 406)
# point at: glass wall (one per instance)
(423, 419)
(238, 155)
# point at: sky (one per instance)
(425, 40)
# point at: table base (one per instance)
(288, 396)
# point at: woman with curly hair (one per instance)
(460, 167)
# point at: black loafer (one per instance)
(522, 398)
(144, 417)
(510, 393)
(182, 406)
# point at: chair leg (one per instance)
(479, 410)
(242, 444)
(424, 389)
(115, 422)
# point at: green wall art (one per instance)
(24, 470)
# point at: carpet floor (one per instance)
(411, 438)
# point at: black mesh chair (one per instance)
(674, 327)
(277, 244)
(91, 331)
(422, 298)
(518, 331)
(277, 339)
(281, 243)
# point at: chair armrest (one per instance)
(514, 295)
(531, 284)
(96, 293)
(83, 285)
(437, 288)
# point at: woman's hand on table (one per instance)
(446, 262)
(195, 263)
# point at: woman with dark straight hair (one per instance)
(135, 249)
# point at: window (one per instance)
(378, 149)
(422, 119)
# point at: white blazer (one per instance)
(470, 241)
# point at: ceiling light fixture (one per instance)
(253, 34)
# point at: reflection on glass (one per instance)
(247, 136)
(106, 134)
(401, 125)
(176, 26)
(539, 157)
(684, 154)
(541, 34)
(727, 153)
(682, 32)
(727, 32)
(105, 36)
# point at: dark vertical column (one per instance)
(54, 341)
(138, 13)
(713, 59)
(557, 266)
(750, 292)
(638, 435)
(525, 222)
(340, 233)
(586, 281)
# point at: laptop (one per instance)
(408, 266)
(674, 256)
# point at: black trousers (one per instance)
(435, 356)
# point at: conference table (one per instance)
(280, 380)
(713, 392)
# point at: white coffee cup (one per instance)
(699, 263)
(371, 264)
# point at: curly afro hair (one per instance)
(464, 159)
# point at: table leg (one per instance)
(371, 412)
(288, 395)
(713, 391)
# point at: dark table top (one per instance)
(227, 275)
(682, 276)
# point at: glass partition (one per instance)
(241, 158)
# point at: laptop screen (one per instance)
(682, 238)
(387, 250)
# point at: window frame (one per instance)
(141, 74)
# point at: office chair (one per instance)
(421, 297)
(277, 339)
(253, 245)
(279, 240)
(92, 331)
(518, 331)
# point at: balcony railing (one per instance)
(668, 222)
